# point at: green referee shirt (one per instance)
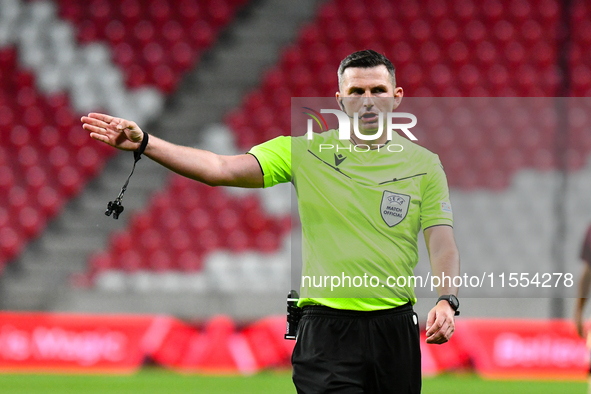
(361, 211)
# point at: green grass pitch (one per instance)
(156, 381)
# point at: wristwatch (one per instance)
(453, 302)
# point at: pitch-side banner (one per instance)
(523, 348)
(47, 342)
(67, 342)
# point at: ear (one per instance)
(340, 101)
(398, 93)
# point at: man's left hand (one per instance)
(440, 323)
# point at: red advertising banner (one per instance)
(507, 348)
(522, 348)
(67, 342)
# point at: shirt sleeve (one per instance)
(435, 205)
(274, 157)
(586, 252)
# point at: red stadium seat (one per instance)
(116, 32)
(69, 180)
(189, 10)
(160, 261)
(170, 220)
(201, 34)
(27, 157)
(220, 12)
(34, 118)
(199, 219)
(164, 78)
(89, 161)
(11, 243)
(36, 178)
(87, 31)
(160, 11)
(150, 242)
(179, 241)
(237, 241)
(183, 57)
(131, 11)
(520, 11)
(144, 32)
(31, 221)
(140, 223)
(100, 262)
(49, 200)
(531, 31)
(267, 241)
(190, 261)
(153, 54)
(65, 118)
(124, 55)
(135, 76)
(20, 136)
(130, 261)
(420, 31)
(437, 10)
(26, 97)
(121, 242)
(208, 241)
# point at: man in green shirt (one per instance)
(361, 211)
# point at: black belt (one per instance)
(321, 310)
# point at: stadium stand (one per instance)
(45, 161)
(52, 71)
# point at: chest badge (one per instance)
(394, 207)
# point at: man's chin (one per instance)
(368, 130)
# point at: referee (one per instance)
(361, 210)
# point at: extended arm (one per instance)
(583, 292)
(203, 166)
(445, 259)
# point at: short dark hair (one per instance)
(366, 59)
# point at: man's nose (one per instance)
(368, 99)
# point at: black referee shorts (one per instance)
(351, 352)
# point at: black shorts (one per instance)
(351, 352)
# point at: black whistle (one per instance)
(115, 208)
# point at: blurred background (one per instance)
(188, 269)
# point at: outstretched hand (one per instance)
(119, 133)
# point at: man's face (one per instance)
(368, 91)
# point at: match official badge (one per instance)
(394, 207)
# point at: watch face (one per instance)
(454, 301)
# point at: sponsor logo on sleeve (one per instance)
(445, 207)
